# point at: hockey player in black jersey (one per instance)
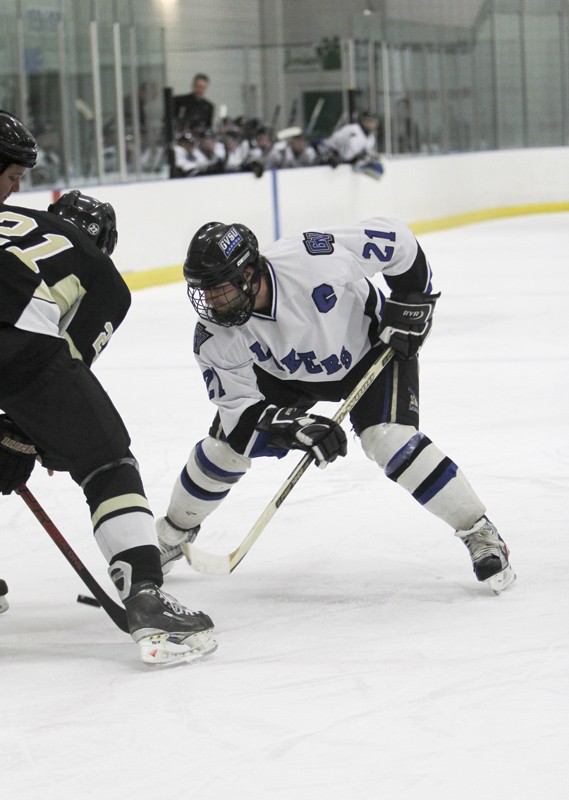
(61, 299)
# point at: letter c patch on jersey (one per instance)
(324, 297)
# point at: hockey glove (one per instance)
(405, 324)
(17, 456)
(369, 166)
(332, 158)
(257, 168)
(294, 429)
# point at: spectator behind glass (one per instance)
(237, 150)
(193, 112)
(261, 144)
(209, 153)
(405, 129)
(185, 162)
(351, 142)
(293, 151)
(147, 94)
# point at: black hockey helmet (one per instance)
(368, 119)
(17, 145)
(96, 219)
(217, 256)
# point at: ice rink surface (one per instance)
(358, 657)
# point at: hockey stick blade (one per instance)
(115, 612)
(204, 561)
(218, 564)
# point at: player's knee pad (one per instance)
(128, 460)
(218, 462)
(213, 468)
(118, 478)
(381, 442)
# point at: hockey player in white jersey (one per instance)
(355, 144)
(299, 324)
(356, 139)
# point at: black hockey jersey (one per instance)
(55, 281)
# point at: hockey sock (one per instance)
(410, 459)
(213, 468)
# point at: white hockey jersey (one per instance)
(324, 311)
(351, 142)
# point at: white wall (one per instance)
(156, 220)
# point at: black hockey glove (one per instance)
(257, 168)
(295, 429)
(17, 456)
(333, 159)
(406, 323)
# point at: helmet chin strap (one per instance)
(255, 282)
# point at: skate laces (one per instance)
(485, 543)
(174, 605)
(173, 551)
(170, 551)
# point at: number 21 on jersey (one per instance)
(383, 252)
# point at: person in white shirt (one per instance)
(301, 323)
(354, 144)
(237, 150)
(210, 154)
(353, 141)
(294, 151)
(185, 161)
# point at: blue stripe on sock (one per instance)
(438, 484)
(404, 455)
(225, 475)
(201, 494)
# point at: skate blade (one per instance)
(500, 582)
(165, 650)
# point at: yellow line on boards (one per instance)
(472, 217)
(153, 277)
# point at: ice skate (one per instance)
(4, 605)
(170, 540)
(167, 632)
(489, 554)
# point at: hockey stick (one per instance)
(216, 564)
(115, 612)
(316, 111)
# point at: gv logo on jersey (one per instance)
(229, 242)
(318, 244)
